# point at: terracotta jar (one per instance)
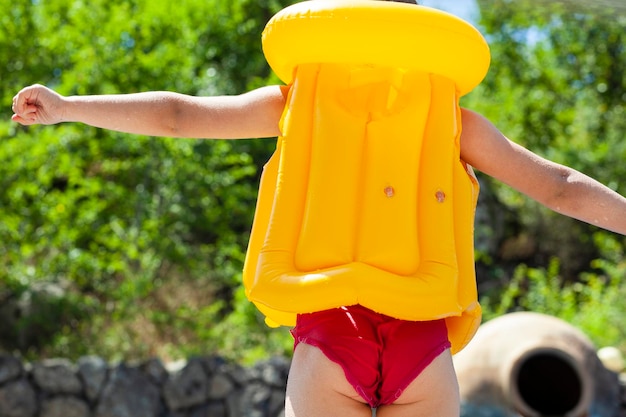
(534, 365)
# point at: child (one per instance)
(420, 380)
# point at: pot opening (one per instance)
(548, 383)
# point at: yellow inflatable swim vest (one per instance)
(366, 200)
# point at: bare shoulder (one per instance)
(267, 94)
(253, 114)
(264, 107)
(478, 137)
(485, 148)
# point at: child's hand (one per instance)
(37, 105)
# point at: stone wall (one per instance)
(200, 387)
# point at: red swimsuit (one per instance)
(380, 355)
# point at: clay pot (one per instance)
(534, 365)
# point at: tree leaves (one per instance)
(118, 216)
(556, 85)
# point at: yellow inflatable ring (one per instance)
(410, 36)
(366, 200)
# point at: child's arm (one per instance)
(249, 115)
(558, 187)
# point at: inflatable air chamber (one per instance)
(366, 200)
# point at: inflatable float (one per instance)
(366, 200)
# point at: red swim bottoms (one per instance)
(380, 355)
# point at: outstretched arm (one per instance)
(249, 115)
(558, 187)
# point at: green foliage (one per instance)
(249, 347)
(118, 218)
(145, 236)
(556, 86)
(133, 246)
(592, 304)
